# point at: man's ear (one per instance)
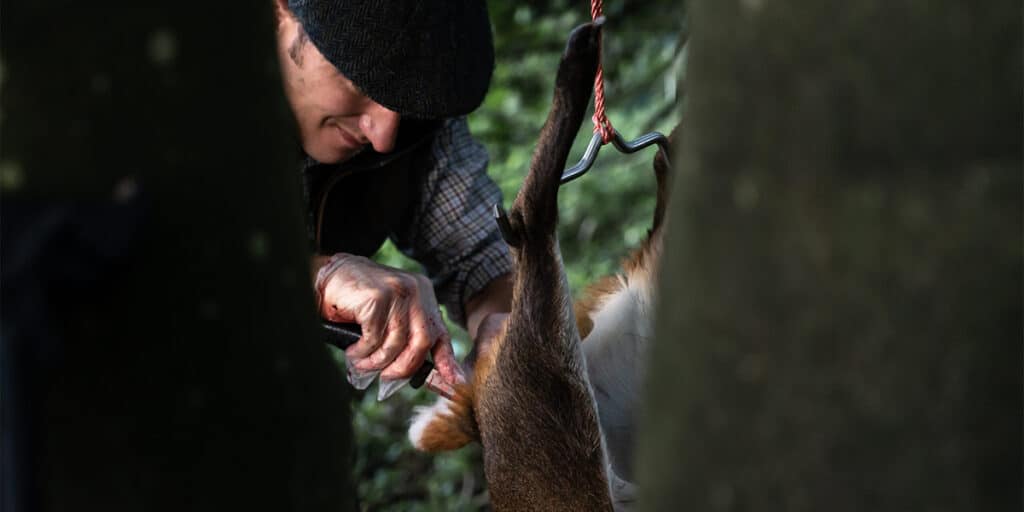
(447, 425)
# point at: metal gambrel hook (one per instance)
(624, 147)
(505, 226)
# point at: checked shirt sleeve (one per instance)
(452, 233)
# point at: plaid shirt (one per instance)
(452, 233)
(449, 229)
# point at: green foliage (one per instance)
(603, 214)
(608, 211)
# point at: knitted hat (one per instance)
(421, 58)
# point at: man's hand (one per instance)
(396, 310)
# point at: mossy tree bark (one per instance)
(840, 323)
(192, 375)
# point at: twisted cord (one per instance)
(601, 123)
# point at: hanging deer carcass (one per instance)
(535, 392)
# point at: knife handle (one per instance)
(343, 335)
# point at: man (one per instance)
(378, 90)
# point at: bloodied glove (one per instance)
(398, 315)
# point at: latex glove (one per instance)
(397, 312)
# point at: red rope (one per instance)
(601, 122)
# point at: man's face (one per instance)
(336, 120)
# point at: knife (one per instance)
(343, 335)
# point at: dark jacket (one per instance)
(354, 206)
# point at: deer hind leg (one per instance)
(536, 414)
(506, 387)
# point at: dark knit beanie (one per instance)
(427, 59)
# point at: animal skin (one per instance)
(535, 391)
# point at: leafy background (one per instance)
(603, 214)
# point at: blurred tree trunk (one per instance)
(182, 369)
(840, 323)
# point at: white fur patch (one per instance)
(425, 415)
(615, 352)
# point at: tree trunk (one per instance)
(175, 357)
(840, 322)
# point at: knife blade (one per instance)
(344, 335)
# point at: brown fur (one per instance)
(455, 429)
(536, 415)
(452, 431)
(529, 402)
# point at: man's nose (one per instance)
(380, 126)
